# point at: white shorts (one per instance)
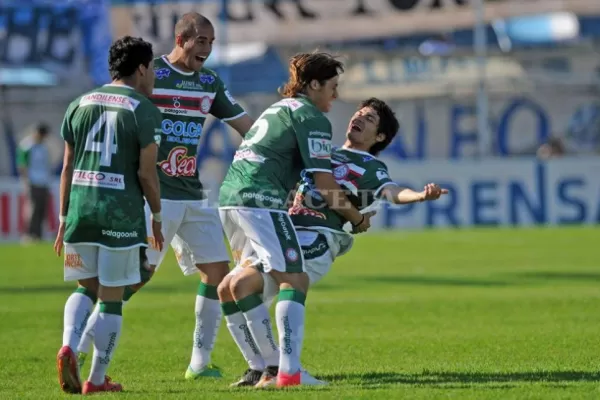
(194, 231)
(320, 248)
(267, 237)
(112, 267)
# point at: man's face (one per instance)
(147, 78)
(326, 94)
(363, 128)
(198, 47)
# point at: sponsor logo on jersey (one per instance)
(73, 260)
(320, 134)
(368, 158)
(248, 155)
(207, 79)
(293, 104)
(341, 172)
(262, 197)
(104, 180)
(291, 255)
(298, 208)
(183, 102)
(188, 85)
(162, 73)
(230, 97)
(181, 132)
(109, 100)
(319, 148)
(382, 175)
(119, 234)
(283, 220)
(178, 163)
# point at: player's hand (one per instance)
(157, 235)
(432, 191)
(60, 236)
(365, 224)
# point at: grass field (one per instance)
(466, 314)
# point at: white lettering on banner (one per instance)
(499, 192)
(104, 180)
(290, 22)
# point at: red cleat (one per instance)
(107, 386)
(284, 379)
(68, 370)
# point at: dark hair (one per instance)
(42, 128)
(388, 123)
(187, 24)
(306, 67)
(126, 55)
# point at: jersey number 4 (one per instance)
(105, 144)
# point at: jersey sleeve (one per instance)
(149, 125)
(66, 130)
(380, 180)
(225, 107)
(314, 141)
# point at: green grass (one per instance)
(466, 314)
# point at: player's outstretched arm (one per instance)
(151, 188)
(401, 195)
(66, 177)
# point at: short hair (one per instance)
(187, 24)
(306, 67)
(42, 128)
(388, 123)
(126, 55)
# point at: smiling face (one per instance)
(362, 131)
(197, 46)
(323, 95)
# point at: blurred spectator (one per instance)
(35, 169)
(552, 149)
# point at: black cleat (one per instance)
(250, 378)
(269, 377)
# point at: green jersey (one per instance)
(290, 136)
(107, 128)
(360, 175)
(185, 100)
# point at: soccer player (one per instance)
(111, 143)
(290, 136)
(321, 232)
(186, 92)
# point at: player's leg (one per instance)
(238, 328)
(281, 256)
(116, 270)
(80, 265)
(201, 248)
(173, 214)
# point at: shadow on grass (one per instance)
(461, 379)
(432, 281)
(58, 288)
(561, 276)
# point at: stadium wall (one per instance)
(519, 192)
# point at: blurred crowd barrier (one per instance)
(546, 93)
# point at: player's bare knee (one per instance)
(90, 284)
(223, 290)
(248, 282)
(110, 294)
(213, 273)
(296, 281)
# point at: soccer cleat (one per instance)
(68, 371)
(301, 377)
(269, 377)
(210, 371)
(107, 386)
(81, 359)
(250, 378)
